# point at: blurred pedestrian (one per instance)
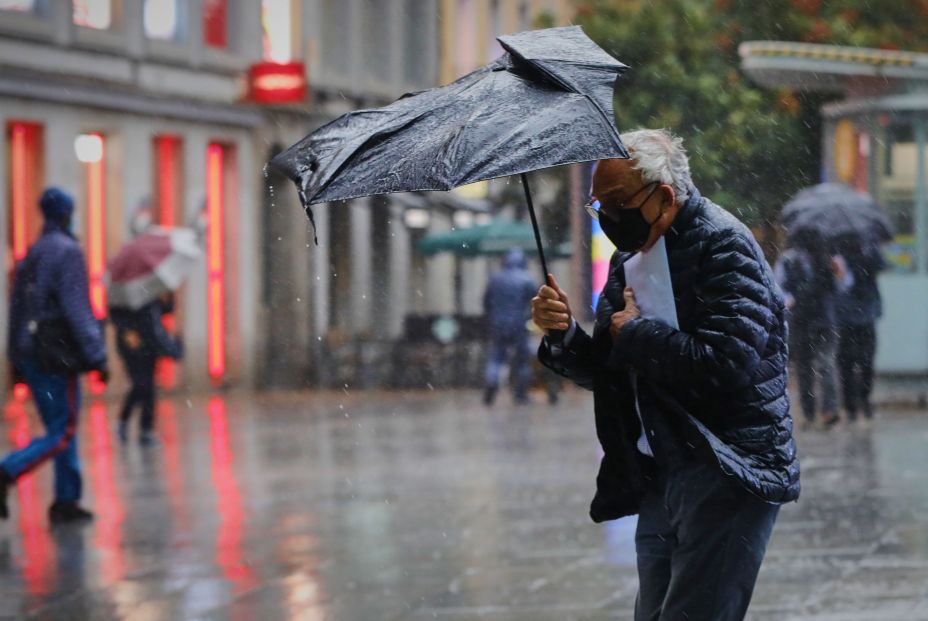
(53, 337)
(812, 280)
(141, 339)
(858, 309)
(506, 308)
(694, 421)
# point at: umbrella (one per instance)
(547, 101)
(494, 238)
(830, 212)
(156, 261)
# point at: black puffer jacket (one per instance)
(718, 383)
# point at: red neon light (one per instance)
(275, 83)
(168, 156)
(216, 354)
(96, 231)
(167, 148)
(20, 188)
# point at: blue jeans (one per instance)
(58, 400)
(517, 350)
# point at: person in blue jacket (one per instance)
(50, 285)
(506, 307)
(141, 339)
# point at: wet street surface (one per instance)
(386, 506)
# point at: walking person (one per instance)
(141, 339)
(812, 280)
(53, 338)
(858, 309)
(506, 308)
(694, 421)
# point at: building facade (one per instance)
(169, 109)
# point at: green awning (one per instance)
(494, 238)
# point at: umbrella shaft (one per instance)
(531, 213)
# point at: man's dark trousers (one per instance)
(141, 370)
(856, 352)
(700, 542)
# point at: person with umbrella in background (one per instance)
(830, 272)
(858, 309)
(142, 279)
(141, 339)
(812, 280)
(54, 337)
(506, 308)
(691, 408)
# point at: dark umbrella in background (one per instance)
(830, 213)
(546, 102)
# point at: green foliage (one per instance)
(751, 148)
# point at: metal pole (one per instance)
(921, 200)
(531, 212)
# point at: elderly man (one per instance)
(694, 421)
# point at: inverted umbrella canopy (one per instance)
(494, 238)
(153, 263)
(830, 212)
(547, 101)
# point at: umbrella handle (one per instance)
(531, 212)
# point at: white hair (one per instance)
(661, 158)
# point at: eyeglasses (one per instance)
(595, 208)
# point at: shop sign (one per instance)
(275, 83)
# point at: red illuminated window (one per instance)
(215, 260)
(167, 179)
(215, 23)
(25, 171)
(90, 149)
(168, 192)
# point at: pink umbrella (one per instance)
(156, 261)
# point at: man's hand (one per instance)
(622, 317)
(550, 308)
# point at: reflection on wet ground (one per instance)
(385, 506)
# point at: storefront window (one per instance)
(96, 14)
(36, 7)
(277, 23)
(215, 25)
(24, 149)
(896, 181)
(165, 20)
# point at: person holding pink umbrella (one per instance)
(142, 278)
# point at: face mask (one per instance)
(626, 228)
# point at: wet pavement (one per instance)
(378, 506)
